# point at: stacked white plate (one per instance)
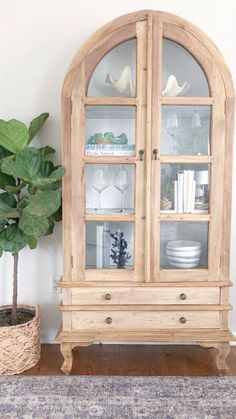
(184, 253)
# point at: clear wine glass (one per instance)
(122, 182)
(100, 182)
(173, 129)
(196, 128)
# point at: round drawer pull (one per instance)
(182, 320)
(108, 297)
(108, 320)
(183, 296)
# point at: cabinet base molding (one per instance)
(220, 340)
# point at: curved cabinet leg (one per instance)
(66, 351)
(222, 353)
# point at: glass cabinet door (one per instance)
(183, 171)
(113, 170)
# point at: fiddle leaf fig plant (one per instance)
(30, 192)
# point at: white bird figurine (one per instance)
(173, 89)
(125, 82)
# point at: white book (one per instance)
(180, 194)
(99, 247)
(193, 195)
(185, 190)
(175, 195)
(190, 190)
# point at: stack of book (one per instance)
(184, 192)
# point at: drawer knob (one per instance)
(183, 296)
(108, 320)
(182, 320)
(108, 297)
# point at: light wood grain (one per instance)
(89, 321)
(141, 311)
(146, 296)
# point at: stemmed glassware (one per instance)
(173, 129)
(100, 182)
(122, 182)
(196, 128)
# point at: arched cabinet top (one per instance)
(122, 29)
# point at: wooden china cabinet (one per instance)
(148, 105)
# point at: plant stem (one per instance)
(14, 293)
(15, 273)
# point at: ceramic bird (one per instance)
(125, 82)
(173, 89)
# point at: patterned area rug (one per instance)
(117, 397)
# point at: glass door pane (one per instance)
(115, 75)
(110, 130)
(109, 245)
(181, 73)
(186, 130)
(184, 245)
(109, 188)
(185, 188)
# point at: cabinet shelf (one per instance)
(186, 101)
(185, 159)
(184, 217)
(121, 101)
(110, 217)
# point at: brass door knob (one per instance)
(108, 297)
(183, 296)
(182, 320)
(141, 153)
(108, 320)
(155, 152)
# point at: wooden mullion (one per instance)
(141, 33)
(217, 177)
(156, 144)
(78, 120)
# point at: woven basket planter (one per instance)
(20, 344)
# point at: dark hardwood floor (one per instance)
(174, 360)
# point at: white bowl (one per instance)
(181, 245)
(186, 254)
(184, 260)
(182, 265)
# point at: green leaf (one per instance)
(32, 242)
(47, 150)
(2, 225)
(33, 226)
(15, 189)
(54, 177)
(8, 206)
(4, 153)
(43, 203)
(50, 228)
(36, 124)
(57, 216)
(25, 165)
(8, 199)
(12, 239)
(13, 135)
(46, 168)
(23, 203)
(6, 180)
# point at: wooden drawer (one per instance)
(140, 320)
(142, 295)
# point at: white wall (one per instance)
(37, 42)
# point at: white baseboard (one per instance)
(49, 337)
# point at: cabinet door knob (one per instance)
(141, 153)
(108, 320)
(183, 296)
(182, 320)
(155, 152)
(108, 297)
